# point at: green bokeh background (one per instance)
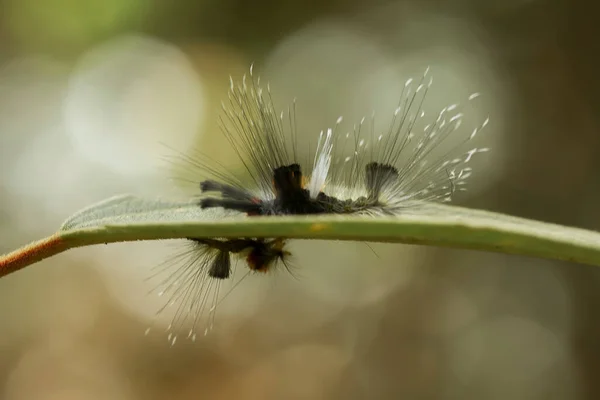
(463, 325)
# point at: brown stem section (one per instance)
(30, 254)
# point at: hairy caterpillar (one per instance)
(363, 172)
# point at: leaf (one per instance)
(127, 209)
(128, 218)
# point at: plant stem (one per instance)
(31, 253)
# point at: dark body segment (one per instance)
(291, 198)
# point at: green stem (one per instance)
(455, 227)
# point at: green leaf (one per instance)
(127, 209)
(128, 218)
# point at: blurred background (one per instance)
(91, 92)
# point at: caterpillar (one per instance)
(362, 172)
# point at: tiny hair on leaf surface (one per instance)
(128, 218)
